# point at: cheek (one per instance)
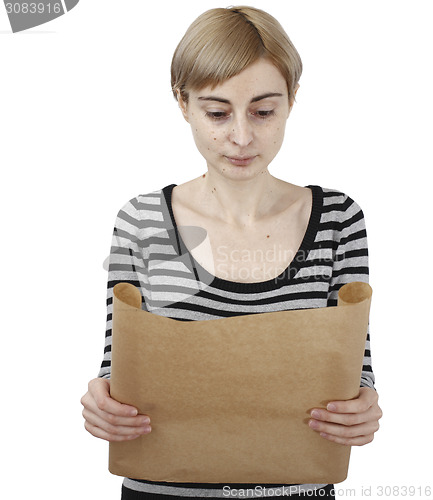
(207, 137)
(276, 135)
(269, 140)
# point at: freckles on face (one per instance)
(244, 116)
(206, 138)
(215, 142)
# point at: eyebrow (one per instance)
(254, 99)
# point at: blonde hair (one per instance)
(220, 43)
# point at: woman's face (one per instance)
(239, 125)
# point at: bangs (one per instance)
(226, 54)
(221, 43)
(209, 57)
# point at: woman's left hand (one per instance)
(352, 422)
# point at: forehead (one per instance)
(260, 78)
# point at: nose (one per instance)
(241, 131)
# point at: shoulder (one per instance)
(142, 216)
(341, 215)
(143, 205)
(339, 205)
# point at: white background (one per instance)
(88, 121)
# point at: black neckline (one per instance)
(261, 286)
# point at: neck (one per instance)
(240, 203)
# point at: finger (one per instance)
(356, 441)
(367, 397)
(101, 434)
(114, 430)
(344, 431)
(343, 418)
(92, 408)
(115, 420)
(106, 403)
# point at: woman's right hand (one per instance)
(106, 418)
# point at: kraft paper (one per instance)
(229, 399)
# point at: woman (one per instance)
(265, 244)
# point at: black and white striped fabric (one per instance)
(148, 251)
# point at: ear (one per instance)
(182, 105)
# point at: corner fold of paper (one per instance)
(128, 294)
(354, 293)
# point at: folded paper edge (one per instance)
(349, 294)
(128, 294)
(354, 293)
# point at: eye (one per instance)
(216, 115)
(264, 114)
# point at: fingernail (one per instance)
(146, 420)
(314, 424)
(146, 429)
(315, 414)
(331, 407)
(133, 412)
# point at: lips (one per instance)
(240, 161)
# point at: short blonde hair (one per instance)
(220, 43)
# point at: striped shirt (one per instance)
(148, 251)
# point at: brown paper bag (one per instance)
(229, 398)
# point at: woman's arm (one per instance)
(126, 264)
(351, 422)
(104, 417)
(350, 262)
